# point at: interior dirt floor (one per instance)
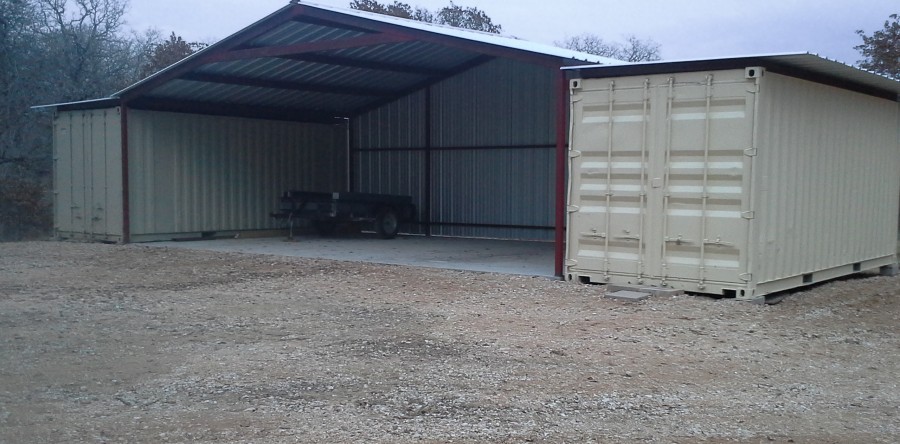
(132, 344)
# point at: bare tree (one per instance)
(18, 72)
(468, 17)
(396, 9)
(632, 50)
(85, 49)
(882, 49)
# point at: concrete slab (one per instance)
(625, 295)
(487, 255)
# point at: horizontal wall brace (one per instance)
(459, 148)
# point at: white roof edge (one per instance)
(77, 102)
(468, 34)
(699, 59)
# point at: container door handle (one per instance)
(678, 240)
(718, 241)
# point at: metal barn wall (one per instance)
(195, 173)
(828, 179)
(488, 154)
(389, 155)
(87, 168)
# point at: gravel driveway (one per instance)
(108, 343)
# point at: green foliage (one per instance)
(24, 209)
(882, 49)
(169, 52)
(468, 17)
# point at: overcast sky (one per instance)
(684, 29)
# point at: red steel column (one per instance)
(561, 153)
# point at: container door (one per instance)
(706, 158)
(610, 179)
(660, 178)
(88, 179)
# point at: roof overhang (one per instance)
(321, 64)
(801, 65)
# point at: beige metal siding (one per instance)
(193, 173)
(727, 182)
(829, 177)
(88, 174)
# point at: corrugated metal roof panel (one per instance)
(414, 53)
(249, 95)
(299, 32)
(321, 47)
(319, 73)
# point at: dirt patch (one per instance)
(104, 343)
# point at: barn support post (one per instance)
(428, 121)
(351, 156)
(560, 230)
(126, 217)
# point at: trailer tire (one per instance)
(387, 223)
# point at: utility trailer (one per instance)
(328, 211)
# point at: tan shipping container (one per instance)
(87, 174)
(735, 182)
(188, 174)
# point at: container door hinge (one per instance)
(574, 153)
(573, 208)
(746, 277)
(750, 152)
(571, 262)
(748, 214)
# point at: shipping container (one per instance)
(187, 174)
(87, 175)
(735, 182)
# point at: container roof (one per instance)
(316, 63)
(802, 65)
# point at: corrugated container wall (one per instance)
(193, 173)
(88, 174)
(484, 147)
(738, 182)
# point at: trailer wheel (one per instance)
(387, 224)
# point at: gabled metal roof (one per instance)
(802, 65)
(317, 63)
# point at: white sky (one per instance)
(684, 29)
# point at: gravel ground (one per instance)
(107, 343)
